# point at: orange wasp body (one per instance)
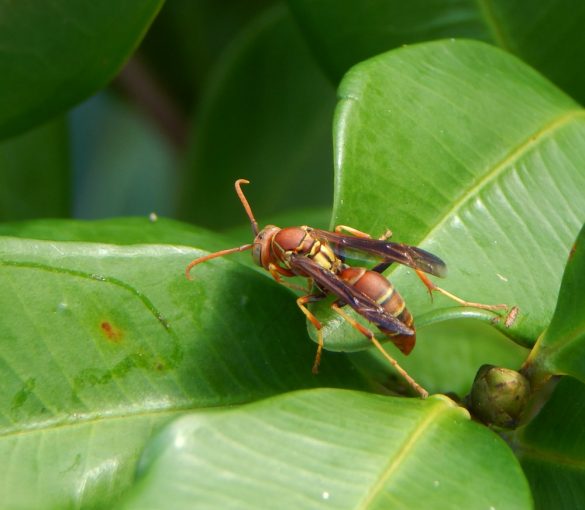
(319, 256)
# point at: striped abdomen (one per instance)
(382, 292)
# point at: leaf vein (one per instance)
(506, 162)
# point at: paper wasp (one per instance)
(319, 256)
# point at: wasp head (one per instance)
(261, 251)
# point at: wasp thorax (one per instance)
(262, 242)
(293, 239)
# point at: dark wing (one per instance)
(362, 304)
(363, 248)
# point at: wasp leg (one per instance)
(386, 235)
(273, 269)
(358, 233)
(366, 332)
(432, 287)
(301, 302)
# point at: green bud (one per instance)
(498, 396)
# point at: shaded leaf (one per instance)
(266, 117)
(195, 33)
(119, 341)
(35, 176)
(56, 54)
(447, 357)
(551, 448)
(547, 35)
(330, 449)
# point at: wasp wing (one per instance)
(365, 248)
(362, 304)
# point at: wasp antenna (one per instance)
(246, 205)
(221, 253)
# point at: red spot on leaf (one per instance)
(113, 334)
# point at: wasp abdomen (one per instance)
(380, 290)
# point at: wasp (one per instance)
(320, 256)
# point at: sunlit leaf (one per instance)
(463, 150)
(330, 449)
(103, 343)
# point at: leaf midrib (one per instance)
(396, 460)
(83, 419)
(491, 174)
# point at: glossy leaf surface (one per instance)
(119, 341)
(330, 449)
(466, 152)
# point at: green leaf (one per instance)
(551, 448)
(561, 350)
(35, 174)
(546, 35)
(447, 357)
(330, 449)
(56, 54)
(463, 150)
(266, 117)
(102, 343)
(152, 230)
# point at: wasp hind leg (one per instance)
(301, 302)
(512, 310)
(366, 332)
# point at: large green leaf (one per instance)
(266, 117)
(547, 34)
(54, 54)
(464, 150)
(561, 350)
(551, 449)
(34, 174)
(330, 449)
(102, 343)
